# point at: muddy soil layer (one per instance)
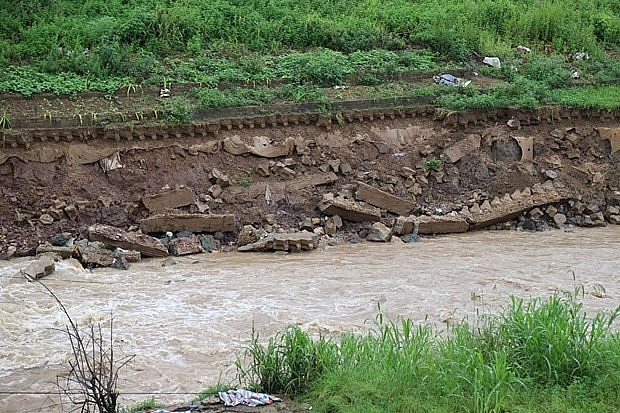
(273, 171)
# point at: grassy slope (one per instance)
(66, 47)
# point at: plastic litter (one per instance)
(581, 56)
(450, 80)
(246, 398)
(493, 61)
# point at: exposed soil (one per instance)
(44, 169)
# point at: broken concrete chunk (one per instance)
(168, 200)
(379, 233)
(298, 241)
(350, 210)
(44, 265)
(93, 255)
(116, 237)
(188, 222)
(527, 147)
(383, 200)
(185, 246)
(442, 224)
(462, 148)
(62, 251)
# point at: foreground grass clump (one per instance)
(539, 356)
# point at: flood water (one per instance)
(186, 323)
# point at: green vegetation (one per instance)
(540, 356)
(258, 52)
(433, 163)
(145, 405)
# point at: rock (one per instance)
(43, 266)
(413, 237)
(284, 171)
(598, 219)
(220, 178)
(169, 199)
(462, 148)
(350, 210)
(330, 226)
(557, 133)
(10, 251)
(72, 212)
(382, 147)
(57, 214)
(354, 239)
(59, 240)
(46, 219)
(298, 241)
(559, 219)
(614, 219)
(514, 123)
(578, 208)
(175, 221)
(383, 200)
(207, 242)
(120, 263)
(128, 255)
(506, 149)
(116, 237)
(262, 169)
(551, 211)
(379, 233)
(334, 164)
(185, 246)
(551, 174)
(345, 168)
(442, 224)
(611, 134)
(612, 210)
(536, 213)
(215, 191)
(247, 235)
(95, 256)
(404, 225)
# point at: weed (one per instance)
(145, 405)
(433, 164)
(5, 121)
(176, 110)
(245, 181)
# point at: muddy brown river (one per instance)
(186, 323)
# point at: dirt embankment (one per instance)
(275, 171)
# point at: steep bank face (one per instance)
(274, 171)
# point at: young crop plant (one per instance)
(5, 121)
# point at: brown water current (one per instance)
(187, 322)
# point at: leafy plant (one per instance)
(177, 110)
(433, 164)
